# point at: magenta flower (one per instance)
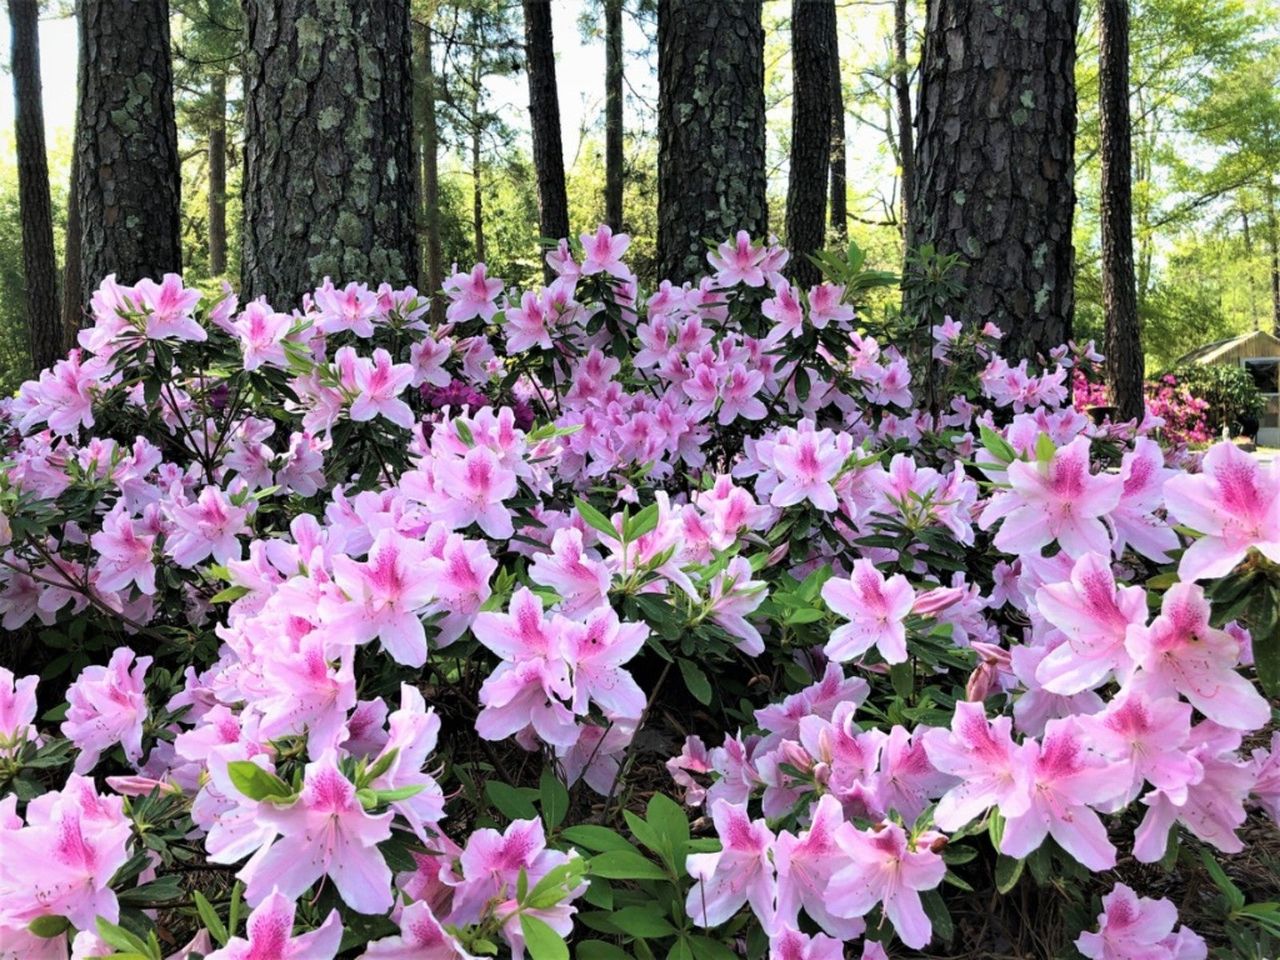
(471, 489)
(17, 710)
(124, 554)
(992, 770)
(1147, 735)
(825, 306)
(805, 865)
(379, 383)
(1095, 616)
(785, 310)
(107, 706)
(577, 574)
(1067, 778)
(386, 596)
(168, 306)
(1180, 653)
(790, 944)
(208, 527)
(877, 609)
(739, 873)
(807, 461)
(1144, 474)
(262, 332)
(461, 569)
(1235, 503)
(1131, 927)
(602, 253)
(352, 308)
(325, 832)
(270, 930)
(597, 649)
(886, 867)
(738, 262)
(421, 937)
(491, 864)
(472, 295)
(1059, 500)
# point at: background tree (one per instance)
(40, 263)
(994, 161)
(544, 114)
(814, 61)
(428, 131)
(128, 181)
(839, 199)
(902, 101)
(1123, 345)
(711, 128)
(614, 129)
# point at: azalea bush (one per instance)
(581, 622)
(1184, 416)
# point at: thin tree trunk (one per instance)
(72, 308)
(902, 96)
(477, 195)
(544, 116)
(329, 146)
(839, 204)
(613, 127)
(39, 261)
(218, 176)
(711, 129)
(431, 170)
(1123, 344)
(1273, 242)
(813, 45)
(995, 162)
(128, 182)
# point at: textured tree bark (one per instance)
(431, 171)
(39, 261)
(813, 49)
(1273, 244)
(328, 184)
(544, 116)
(613, 127)
(477, 194)
(218, 176)
(72, 308)
(902, 97)
(995, 161)
(1123, 343)
(128, 184)
(711, 126)
(839, 204)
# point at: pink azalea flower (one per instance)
(785, 310)
(1265, 767)
(1144, 474)
(210, 526)
(261, 332)
(491, 864)
(168, 306)
(1131, 927)
(825, 306)
(270, 930)
(807, 461)
(1067, 778)
(1095, 616)
(379, 384)
(886, 867)
(790, 944)
(17, 710)
(472, 295)
(421, 937)
(471, 489)
(906, 781)
(461, 570)
(325, 831)
(805, 865)
(1146, 734)
(738, 262)
(577, 574)
(305, 692)
(602, 252)
(1059, 500)
(739, 873)
(124, 554)
(353, 308)
(876, 607)
(386, 596)
(732, 595)
(1180, 653)
(993, 771)
(597, 649)
(107, 706)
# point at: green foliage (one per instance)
(1229, 390)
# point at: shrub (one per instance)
(1230, 392)
(386, 628)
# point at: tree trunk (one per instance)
(995, 161)
(73, 314)
(711, 129)
(128, 184)
(431, 171)
(813, 45)
(328, 185)
(1273, 242)
(218, 176)
(839, 163)
(613, 128)
(544, 117)
(39, 262)
(902, 96)
(1123, 345)
(477, 194)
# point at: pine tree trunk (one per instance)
(839, 162)
(1123, 344)
(902, 97)
(813, 46)
(613, 128)
(544, 116)
(218, 176)
(328, 187)
(1273, 243)
(39, 262)
(711, 128)
(129, 182)
(477, 194)
(995, 161)
(73, 313)
(431, 171)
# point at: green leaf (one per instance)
(669, 821)
(256, 783)
(122, 939)
(542, 942)
(1235, 896)
(46, 928)
(595, 519)
(997, 446)
(554, 799)
(1008, 872)
(696, 681)
(643, 921)
(599, 950)
(516, 803)
(1045, 448)
(598, 839)
(234, 592)
(646, 521)
(936, 910)
(625, 865)
(705, 948)
(209, 917)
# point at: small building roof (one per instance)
(1257, 343)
